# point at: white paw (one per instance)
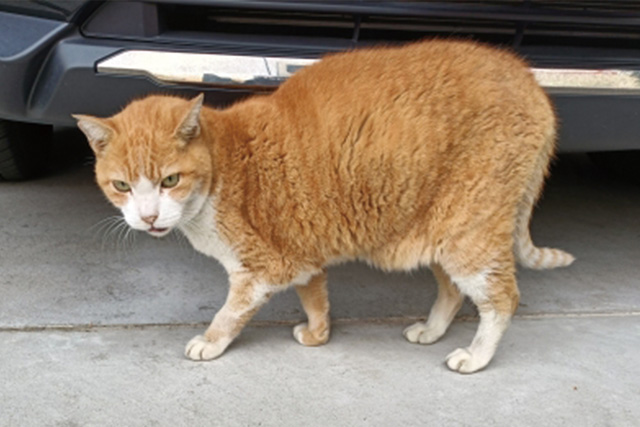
(299, 332)
(421, 333)
(304, 336)
(465, 362)
(199, 348)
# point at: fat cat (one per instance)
(428, 155)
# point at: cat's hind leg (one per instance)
(246, 296)
(447, 304)
(495, 293)
(315, 302)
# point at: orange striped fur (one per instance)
(427, 155)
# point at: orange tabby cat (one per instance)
(432, 154)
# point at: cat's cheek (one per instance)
(130, 213)
(170, 212)
(117, 199)
(193, 206)
(185, 191)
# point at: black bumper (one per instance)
(49, 73)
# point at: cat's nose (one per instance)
(149, 219)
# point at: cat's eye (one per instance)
(122, 186)
(171, 181)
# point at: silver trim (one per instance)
(623, 80)
(234, 71)
(205, 69)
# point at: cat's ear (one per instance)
(189, 126)
(97, 131)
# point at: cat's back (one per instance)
(438, 92)
(450, 71)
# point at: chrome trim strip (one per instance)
(257, 72)
(624, 80)
(206, 69)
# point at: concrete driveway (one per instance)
(93, 322)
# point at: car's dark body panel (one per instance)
(49, 71)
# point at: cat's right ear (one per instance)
(97, 131)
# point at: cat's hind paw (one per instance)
(305, 336)
(422, 334)
(199, 348)
(464, 361)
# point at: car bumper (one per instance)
(61, 72)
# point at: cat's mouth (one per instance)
(158, 232)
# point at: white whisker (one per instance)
(114, 233)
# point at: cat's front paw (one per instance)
(305, 336)
(199, 348)
(422, 334)
(464, 361)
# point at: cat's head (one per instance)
(152, 161)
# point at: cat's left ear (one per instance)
(189, 127)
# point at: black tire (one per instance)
(620, 165)
(24, 149)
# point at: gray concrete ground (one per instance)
(92, 327)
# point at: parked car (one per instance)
(93, 57)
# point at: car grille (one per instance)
(310, 28)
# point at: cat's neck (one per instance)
(230, 134)
(203, 233)
(224, 134)
(234, 137)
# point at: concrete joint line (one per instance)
(276, 323)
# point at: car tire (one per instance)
(621, 165)
(24, 149)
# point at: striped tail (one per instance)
(531, 256)
(527, 254)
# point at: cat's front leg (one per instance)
(246, 295)
(315, 301)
